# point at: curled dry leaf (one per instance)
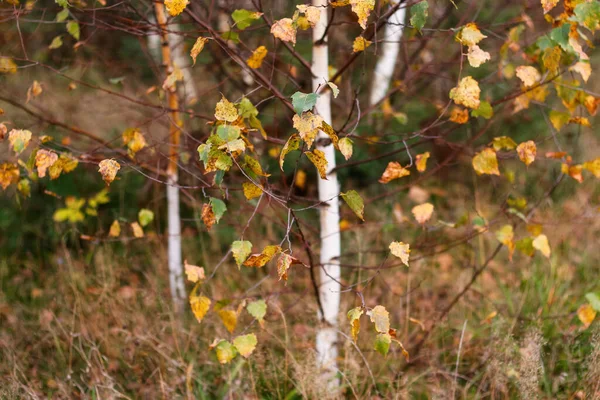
(354, 318)
(527, 151)
(293, 143)
(108, 169)
(466, 93)
(260, 260)
(208, 216)
(193, 272)
(284, 30)
(197, 48)
(284, 262)
(34, 91)
(257, 57)
(393, 171)
(421, 161)
(528, 75)
(423, 212)
(44, 160)
(317, 157)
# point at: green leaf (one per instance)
(228, 132)
(594, 300)
(418, 15)
(588, 14)
(246, 109)
(245, 344)
(225, 352)
(73, 29)
(304, 101)
(241, 249)
(63, 15)
(231, 35)
(62, 3)
(485, 110)
(258, 309)
(561, 36)
(244, 18)
(355, 202)
(145, 216)
(56, 43)
(382, 343)
(218, 208)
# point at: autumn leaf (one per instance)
(7, 66)
(362, 9)
(170, 83)
(259, 260)
(134, 140)
(44, 160)
(245, 18)
(317, 157)
(354, 318)
(459, 115)
(226, 111)
(284, 30)
(355, 202)
(485, 162)
(393, 171)
(258, 309)
(382, 343)
(527, 151)
(9, 174)
(229, 319)
(108, 169)
(200, 306)
(193, 272)
(466, 93)
(381, 318)
(423, 212)
(34, 91)
(470, 35)
(548, 5)
(197, 48)
(19, 139)
(115, 229)
(418, 14)
(65, 163)
(593, 166)
(284, 262)
(137, 230)
(251, 191)
(208, 216)
(586, 315)
(421, 161)
(303, 102)
(360, 44)
(505, 235)
(528, 75)
(541, 244)
(245, 344)
(241, 249)
(257, 57)
(503, 143)
(345, 146)
(175, 7)
(308, 126)
(313, 14)
(401, 250)
(293, 143)
(225, 352)
(476, 56)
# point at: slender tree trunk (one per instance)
(174, 230)
(384, 70)
(329, 290)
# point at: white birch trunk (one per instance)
(329, 290)
(176, 282)
(384, 70)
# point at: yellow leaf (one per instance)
(541, 243)
(197, 48)
(200, 306)
(360, 44)
(593, 166)
(583, 121)
(401, 250)
(260, 260)
(226, 111)
(134, 140)
(393, 171)
(421, 161)
(308, 126)
(527, 151)
(586, 315)
(193, 272)
(257, 57)
(170, 83)
(229, 319)
(313, 14)
(283, 264)
(476, 56)
(575, 172)
(293, 143)
(175, 7)
(225, 352)
(138, 232)
(423, 212)
(354, 318)
(459, 115)
(362, 9)
(503, 142)
(317, 157)
(208, 216)
(65, 163)
(245, 344)
(470, 35)
(44, 160)
(485, 162)
(466, 93)
(9, 173)
(591, 104)
(108, 169)
(284, 30)
(505, 235)
(584, 68)
(34, 90)
(300, 181)
(7, 66)
(19, 139)
(115, 229)
(528, 75)
(381, 318)
(548, 5)
(251, 191)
